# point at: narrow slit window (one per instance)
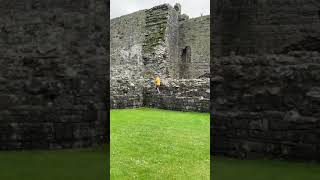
(186, 55)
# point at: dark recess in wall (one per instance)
(186, 55)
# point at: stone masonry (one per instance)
(267, 106)
(161, 40)
(265, 79)
(265, 26)
(53, 73)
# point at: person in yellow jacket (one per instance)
(157, 82)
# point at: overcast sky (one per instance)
(193, 8)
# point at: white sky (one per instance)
(193, 8)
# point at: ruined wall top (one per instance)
(153, 41)
(164, 34)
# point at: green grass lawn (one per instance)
(80, 164)
(153, 145)
(149, 144)
(233, 169)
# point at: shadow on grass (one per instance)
(229, 169)
(70, 164)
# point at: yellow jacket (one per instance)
(157, 81)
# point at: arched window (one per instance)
(186, 55)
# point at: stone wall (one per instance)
(160, 46)
(266, 106)
(53, 73)
(265, 26)
(126, 60)
(126, 93)
(172, 39)
(179, 94)
(195, 34)
(146, 42)
(141, 45)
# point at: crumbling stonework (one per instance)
(153, 40)
(180, 94)
(155, 51)
(126, 60)
(267, 106)
(265, 79)
(53, 73)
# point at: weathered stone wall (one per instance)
(265, 26)
(142, 43)
(266, 103)
(180, 94)
(172, 39)
(161, 41)
(53, 73)
(127, 67)
(266, 106)
(147, 42)
(126, 93)
(195, 33)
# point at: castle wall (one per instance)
(127, 35)
(147, 42)
(268, 26)
(180, 94)
(53, 74)
(161, 41)
(172, 39)
(266, 106)
(195, 33)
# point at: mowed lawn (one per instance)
(77, 164)
(149, 144)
